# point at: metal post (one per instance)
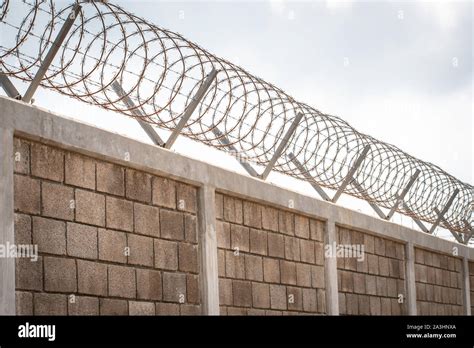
(450, 228)
(191, 107)
(330, 269)
(8, 86)
(282, 145)
(445, 209)
(359, 188)
(51, 54)
(403, 194)
(350, 174)
(466, 286)
(308, 177)
(226, 142)
(137, 112)
(418, 222)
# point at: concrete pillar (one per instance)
(330, 269)
(7, 265)
(410, 278)
(466, 286)
(208, 251)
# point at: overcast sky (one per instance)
(398, 71)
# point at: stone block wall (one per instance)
(270, 261)
(438, 283)
(371, 285)
(111, 240)
(471, 283)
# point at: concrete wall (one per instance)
(129, 228)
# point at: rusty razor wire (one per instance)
(101, 54)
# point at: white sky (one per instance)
(399, 71)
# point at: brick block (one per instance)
(141, 250)
(242, 291)
(192, 288)
(233, 211)
(164, 192)
(261, 295)
(49, 235)
(221, 265)
(119, 214)
(270, 219)
(307, 251)
(90, 208)
(276, 245)
(381, 286)
(253, 267)
(301, 226)
(29, 274)
(223, 234)
(234, 265)
(189, 309)
(342, 303)
(384, 269)
(292, 249)
(237, 311)
(188, 258)
(295, 298)
(110, 178)
(219, 206)
(22, 227)
(148, 284)
(303, 275)
(369, 243)
(319, 252)
(190, 228)
(286, 222)
(373, 263)
(147, 220)
(21, 149)
(390, 251)
(58, 201)
(240, 237)
(47, 162)
(321, 294)
(167, 308)
(113, 307)
(347, 281)
(364, 305)
(225, 292)
(392, 287)
(258, 242)
(27, 196)
(84, 305)
(359, 283)
(60, 274)
(317, 277)
(81, 241)
(316, 229)
(91, 278)
(141, 308)
(352, 304)
(252, 214)
(138, 185)
(394, 268)
(122, 282)
(112, 246)
(288, 272)
(24, 303)
(172, 225)
(187, 198)
(166, 254)
(278, 298)
(50, 304)
(271, 270)
(375, 305)
(174, 287)
(310, 302)
(379, 246)
(79, 171)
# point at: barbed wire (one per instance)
(161, 72)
